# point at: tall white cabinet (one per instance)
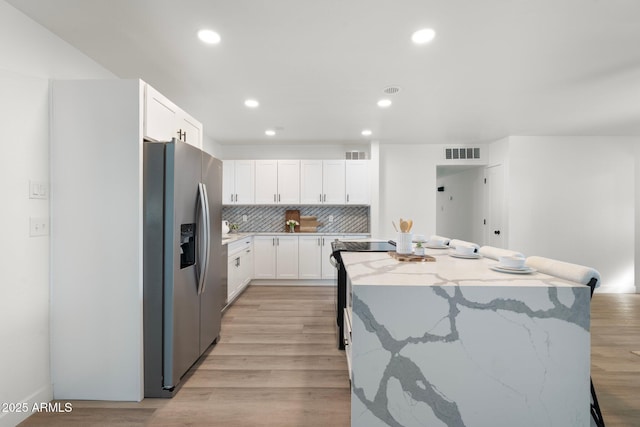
(96, 239)
(97, 132)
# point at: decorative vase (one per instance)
(292, 229)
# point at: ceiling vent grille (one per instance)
(461, 153)
(391, 90)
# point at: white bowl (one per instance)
(511, 261)
(435, 242)
(465, 249)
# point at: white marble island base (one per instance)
(469, 352)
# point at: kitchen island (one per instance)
(454, 343)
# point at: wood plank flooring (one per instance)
(277, 365)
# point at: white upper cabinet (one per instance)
(277, 182)
(357, 182)
(164, 120)
(310, 182)
(238, 182)
(297, 182)
(289, 182)
(266, 182)
(322, 182)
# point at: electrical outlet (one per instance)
(38, 226)
(244, 218)
(330, 218)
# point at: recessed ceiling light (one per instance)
(270, 132)
(366, 132)
(384, 103)
(423, 36)
(251, 103)
(208, 36)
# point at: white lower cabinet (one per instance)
(328, 270)
(276, 257)
(310, 257)
(239, 267)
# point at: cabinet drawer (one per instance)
(239, 246)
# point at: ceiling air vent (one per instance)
(463, 153)
(391, 90)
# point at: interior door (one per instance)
(495, 229)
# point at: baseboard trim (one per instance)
(276, 282)
(43, 395)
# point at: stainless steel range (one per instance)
(341, 288)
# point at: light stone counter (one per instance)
(453, 343)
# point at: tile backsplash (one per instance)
(346, 219)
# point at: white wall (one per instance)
(407, 187)
(30, 57)
(269, 151)
(573, 199)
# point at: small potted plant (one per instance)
(291, 223)
(419, 249)
(234, 227)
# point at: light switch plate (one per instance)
(38, 226)
(38, 190)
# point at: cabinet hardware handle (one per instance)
(278, 198)
(318, 241)
(325, 198)
(347, 198)
(232, 197)
(320, 197)
(274, 198)
(273, 241)
(236, 197)
(496, 232)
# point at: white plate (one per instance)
(436, 246)
(523, 270)
(470, 256)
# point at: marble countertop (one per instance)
(380, 269)
(232, 237)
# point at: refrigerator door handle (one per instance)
(203, 264)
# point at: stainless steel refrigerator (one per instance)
(182, 262)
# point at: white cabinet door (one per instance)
(264, 259)
(238, 182)
(244, 182)
(309, 257)
(228, 182)
(163, 120)
(328, 270)
(310, 182)
(233, 277)
(288, 182)
(159, 117)
(266, 182)
(189, 129)
(333, 180)
(357, 182)
(247, 267)
(287, 258)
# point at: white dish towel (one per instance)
(445, 240)
(495, 253)
(455, 242)
(564, 270)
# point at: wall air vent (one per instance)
(463, 153)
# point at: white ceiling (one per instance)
(495, 68)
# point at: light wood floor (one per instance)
(277, 365)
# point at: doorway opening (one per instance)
(460, 202)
